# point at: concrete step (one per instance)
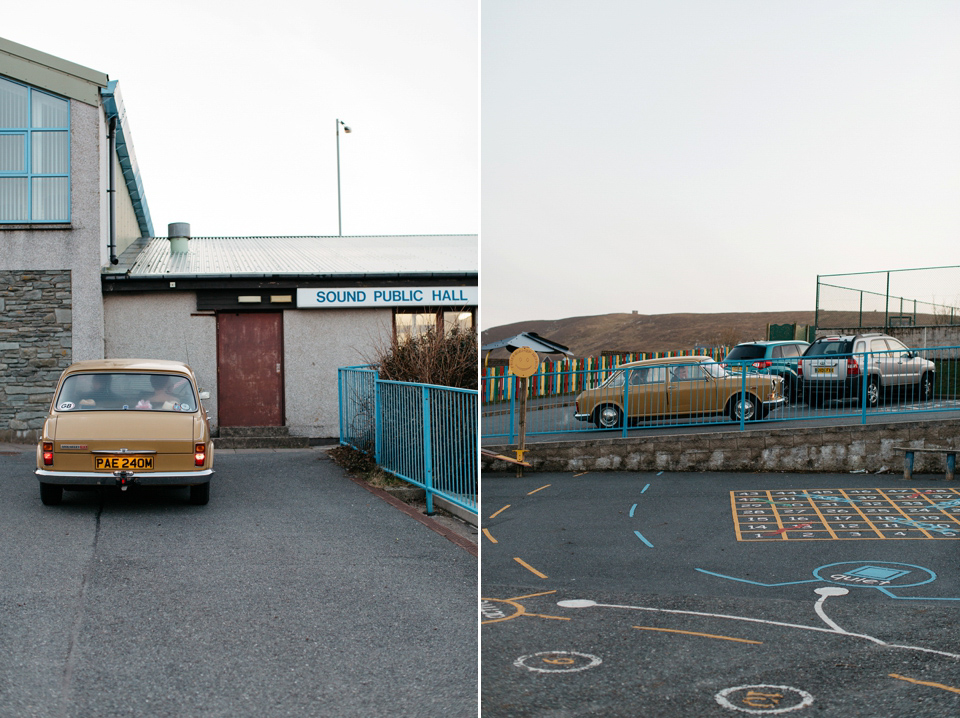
(253, 431)
(259, 437)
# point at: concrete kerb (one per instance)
(861, 448)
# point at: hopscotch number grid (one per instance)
(846, 514)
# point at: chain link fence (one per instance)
(921, 297)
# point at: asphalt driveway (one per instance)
(295, 592)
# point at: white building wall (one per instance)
(158, 325)
(316, 343)
(75, 248)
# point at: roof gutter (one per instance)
(114, 108)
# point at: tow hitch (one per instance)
(124, 479)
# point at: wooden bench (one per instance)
(910, 451)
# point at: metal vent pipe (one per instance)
(179, 235)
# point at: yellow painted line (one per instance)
(540, 489)
(489, 536)
(501, 511)
(925, 683)
(736, 517)
(531, 595)
(553, 618)
(694, 633)
(581, 474)
(529, 567)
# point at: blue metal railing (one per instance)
(356, 388)
(880, 384)
(424, 434)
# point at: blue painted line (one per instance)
(645, 488)
(632, 509)
(641, 537)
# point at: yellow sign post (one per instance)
(524, 363)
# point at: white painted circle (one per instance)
(562, 661)
(576, 603)
(805, 699)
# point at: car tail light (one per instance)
(48, 453)
(800, 369)
(762, 364)
(200, 454)
(853, 369)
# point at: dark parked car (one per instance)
(779, 358)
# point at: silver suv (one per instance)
(833, 368)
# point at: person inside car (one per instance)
(100, 395)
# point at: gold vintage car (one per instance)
(678, 387)
(118, 422)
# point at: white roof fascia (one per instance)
(19, 62)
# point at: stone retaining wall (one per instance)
(36, 339)
(810, 449)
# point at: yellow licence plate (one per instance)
(119, 463)
(824, 370)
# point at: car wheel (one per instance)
(926, 386)
(873, 392)
(608, 416)
(51, 494)
(749, 406)
(200, 494)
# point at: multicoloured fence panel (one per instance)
(426, 435)
(615, 400)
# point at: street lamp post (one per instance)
(346, 131)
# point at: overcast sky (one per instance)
(704, 156)
(233, 106)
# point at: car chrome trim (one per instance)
(124, 451)
(144, 477)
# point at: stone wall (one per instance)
(841, 449)
(36, 339)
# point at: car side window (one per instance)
(878, 345)
(657, 375)
(896, 346)
(777, 352)
(792, 350)
(688, 372)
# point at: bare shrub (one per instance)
(431, 358)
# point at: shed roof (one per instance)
(368, 256)
(531, 340)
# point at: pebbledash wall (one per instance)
(36, 340)
(842, 449)
(315, 344)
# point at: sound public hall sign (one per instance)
(353, 298)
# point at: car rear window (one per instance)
(110, 391)
(827, 347)
(746, 351)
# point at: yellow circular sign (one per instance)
(524, 362)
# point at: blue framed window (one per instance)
(34, 155)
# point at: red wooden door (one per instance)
(250, 369)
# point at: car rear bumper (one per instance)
(582, 417)
(833, 388)
(143, 478)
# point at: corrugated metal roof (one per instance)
(325, 256)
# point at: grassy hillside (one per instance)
(589, 336)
